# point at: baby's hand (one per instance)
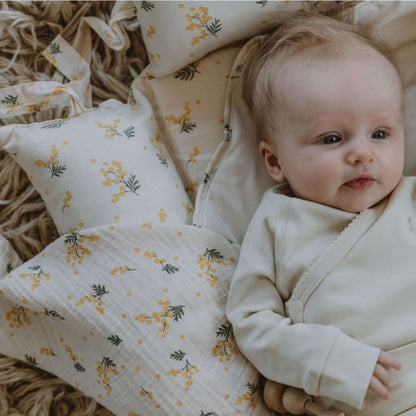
(380, 379)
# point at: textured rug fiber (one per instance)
(26, 28)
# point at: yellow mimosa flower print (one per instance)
(184, 121)
(225, 347)
(191, 188)
(105, 369)
(95, 297)
(166, 267)
(187, 372)
(116, 176)
(160, 150)
(11, 102)
(188, 208)
(168, 312)
(47, 351)
(200, 21)
(193, 154)
(121, 270)
(146, 393)
(77, 362)
(162, 215)
(51, 51)
(111, 129)
(66, 200)
(18, 317)
(59, 90)
(53, 164)
(151, 32)
(37, 275)
(35, 108)
(249, 396)
(206, 263)
(74, 244)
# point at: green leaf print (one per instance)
(38, 269)
(187, 73)
(53, 314)
(213, 254)
(177, 312)
(262, 3)
(53, 125)
(99, 291)
(187, 126)
(79, 367)
(54, 48)
(107, 362)
(10, 100)
(57, 170)
(9, 268)
(224, 332)
(115, 340)
(252, 388)
(129, 132)
(170, 268)
(178, 355)
(131, 183)
(147, 6)
(72, 239)
(162, 159)
(31, 360)
(214, 27)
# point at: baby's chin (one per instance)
(355, 207)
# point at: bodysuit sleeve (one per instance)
(320, 359)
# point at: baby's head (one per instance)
(327, 103)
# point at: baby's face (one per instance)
(340, 130)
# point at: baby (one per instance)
(323, 297)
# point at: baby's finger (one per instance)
(381, 374)
(377, 386)
(388, 360)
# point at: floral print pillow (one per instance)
(107, 165)
(137, 321)
(177, 33)
(189, 108)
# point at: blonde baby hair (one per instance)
(305, 32)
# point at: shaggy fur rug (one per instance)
(26, 28)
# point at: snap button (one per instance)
(297, 305)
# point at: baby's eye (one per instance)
(379, 134)
(331, 139)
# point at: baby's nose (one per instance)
(360, 153)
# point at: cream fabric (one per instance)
(189, 110)
(105, 165)
(177, 33)
(236, 178)
(133, 317)
(317, 291)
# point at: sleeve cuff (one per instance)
(348, 370)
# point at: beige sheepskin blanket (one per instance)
(26, 28)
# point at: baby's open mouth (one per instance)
(361, 183)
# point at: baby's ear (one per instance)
(269, 156)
